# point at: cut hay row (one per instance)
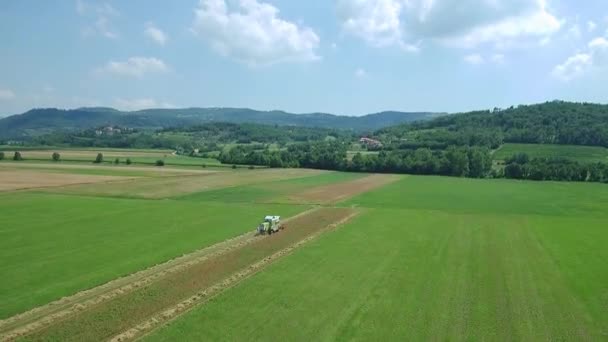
(204, 296)
(109, 314)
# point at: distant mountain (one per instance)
(40, 121)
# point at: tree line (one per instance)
(521, 166)
(475, 162)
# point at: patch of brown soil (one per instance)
(340, 191)
(61, 166)
(122, 308)
(155, 188)
(22, 179)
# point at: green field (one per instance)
(55, 245)
(584, 154)
(274, 191)
(433, 258)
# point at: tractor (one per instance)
(270, 225)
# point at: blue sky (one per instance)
(343, 56)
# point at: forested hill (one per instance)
(548, 123)
(40, 121)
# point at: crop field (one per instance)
(469, 265)
(584, 154)
(172, 256)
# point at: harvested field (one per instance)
(119, 315)
(160, 171)
(22, 179)
(340, 191)
(175, 186)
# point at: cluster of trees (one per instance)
(455, 161)
(554, 122)
(521, 166)
(246, 133)
(326, 155)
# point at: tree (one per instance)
(1, 155)
(56, 156)
(116, 161)
(99, 158)
(160, 162)
(514, 170)
(458, 160)
(128, 161)
(17, 156)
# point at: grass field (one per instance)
(433, 259)
(385, 257)
(53, 245)
(585, 154)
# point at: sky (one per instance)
(348, 57)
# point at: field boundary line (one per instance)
(201, 298)
(27, 322)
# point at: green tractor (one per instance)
(270, 225)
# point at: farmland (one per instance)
(426, 271)
(584, 154)
(148, 157)
(170, 254)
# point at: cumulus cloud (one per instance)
(463, 23)
(100, 14)
(591, 26)
(135, 67)
(139, 104)
(474, 59)
(155, 34)
(595, 56)
(6, 94)
(252, 32)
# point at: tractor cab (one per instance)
(271, 224)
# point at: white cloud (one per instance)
(6, 94)
(595, 57)
(591, 26)
(135, 67)
(474, 59)
(253, 33)
(139, 104)
(155, 34)
(100, 15)
(462, 23)
(360, 73)
(573, 67)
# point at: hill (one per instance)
(41, 121)
(554, 122)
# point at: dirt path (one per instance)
(340, 191)
(117, 307)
